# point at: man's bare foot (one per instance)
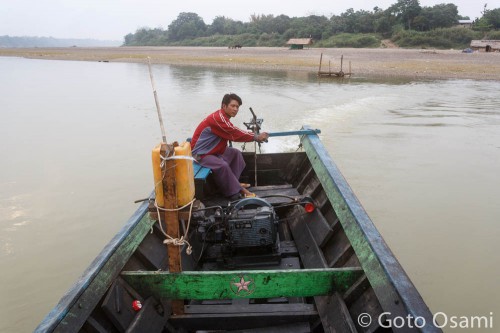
(247, 194)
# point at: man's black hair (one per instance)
(229, 97)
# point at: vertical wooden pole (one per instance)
(255, 161)
(171, 218)
(320, 60)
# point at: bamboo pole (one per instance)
(157, 102)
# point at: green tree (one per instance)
(281, 24)
(406, 11)
(349, 20)
(217, 26)
(225, 26)
(367, 18)
(438, 16)
(261, 24)
(338, 24)
(493, 18)
(383, 22)
(147, 37)
(311, 26)
(186, 26)
(269, 24)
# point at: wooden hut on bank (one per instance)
(299, 43)
(485, 45)
(465, 24)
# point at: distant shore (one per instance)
(367, 63)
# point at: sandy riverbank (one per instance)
(390, 62)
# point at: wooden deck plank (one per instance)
(240, 321)
(337, 250)
(310, 253)
(319, 227)
(249, 308)
(334, 314)
(301, 327)
(331, 309)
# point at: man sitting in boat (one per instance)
(210, 149)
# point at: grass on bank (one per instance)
(445, 38)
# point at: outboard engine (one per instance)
(240, 235)
(252, 225)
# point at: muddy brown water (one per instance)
(422, 157)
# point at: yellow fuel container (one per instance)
(184, 175)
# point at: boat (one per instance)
(302, 256)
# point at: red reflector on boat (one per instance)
(309, 207)
(136, 305)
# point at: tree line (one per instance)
(405, 22)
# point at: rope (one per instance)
(176, 209)
(171, 240)
(180, 157)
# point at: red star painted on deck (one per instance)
(242, 285)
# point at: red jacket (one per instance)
(213, 133)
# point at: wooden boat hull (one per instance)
(337, 235)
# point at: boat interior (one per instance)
(304, 239)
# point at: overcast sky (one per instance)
(113, 19)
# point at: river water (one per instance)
(75, 139)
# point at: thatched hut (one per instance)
(485, 45)
(299, 43)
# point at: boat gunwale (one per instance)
(383, 270)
